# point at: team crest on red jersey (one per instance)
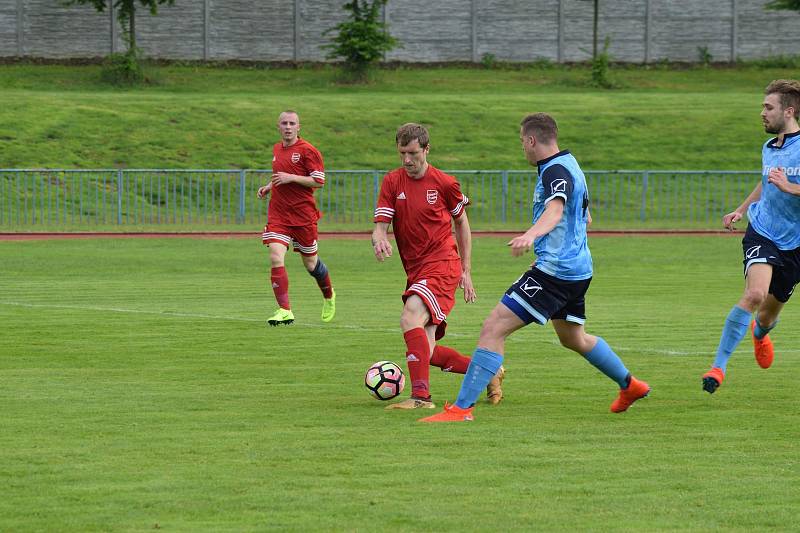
(432, 195)
(295, 157)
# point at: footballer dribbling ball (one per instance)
(385, 380)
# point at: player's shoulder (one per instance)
(556, 171)
(440, 175)
(394, 174)
(303, 144)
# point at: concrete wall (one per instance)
(430, 30)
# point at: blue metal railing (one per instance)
(85, 199)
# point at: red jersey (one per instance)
(293, 204)
(420, 211)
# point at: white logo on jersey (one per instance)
(412, 358)
(423, 282)
(431, 195)
(558, 186)
(530, 287)
(752, 252)
(401, 196)
(274, 158)
(295, 157)
(275, 285)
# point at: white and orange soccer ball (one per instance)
(385, 380)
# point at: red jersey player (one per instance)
(420, 202)
(297, 170)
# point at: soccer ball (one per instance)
(385, 380)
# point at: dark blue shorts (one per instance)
(785, 263)
(539, 297)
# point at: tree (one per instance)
(124, 69)
(126, 14)
(594, 27)
(792, 5)
(361, 40)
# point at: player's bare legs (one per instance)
(500, 323)
(280, 285)
(597, 352)
(755, 295)
(485, 366)
(317, 269)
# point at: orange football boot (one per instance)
(713, 379)
(763, 348)
(635, 391)
(451, 413)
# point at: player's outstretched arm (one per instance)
(550, 218)
(380, 241)
(733, 217)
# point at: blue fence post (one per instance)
(375, 189)
(119, 197)
(643, 208)
(242, 183)
(505, 196)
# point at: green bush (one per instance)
(361, 40)
(123, 68)
(600, 68)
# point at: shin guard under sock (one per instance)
(280, 286)
(418, 360)
(482, 368)
(603, 358)
(732, 334)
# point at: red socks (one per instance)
(280, 286)
(449, 360)
(418, 358)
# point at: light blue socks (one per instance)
(732, 334)
(606, 361)
(482, 368)
(761, 331)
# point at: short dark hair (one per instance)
(408, 132)
(540, 125)
(789, 91)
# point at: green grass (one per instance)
(141, 390)
(201, 117)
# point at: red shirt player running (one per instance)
(297, 170)
(420, 201)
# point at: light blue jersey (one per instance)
(776, 215)
(564, 252)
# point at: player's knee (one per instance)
(491, 331)
(571, 344)
(754, 297)
(314, 266)
(276, 256)
(409, 321)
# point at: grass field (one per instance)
(141, 390)
(200, 117)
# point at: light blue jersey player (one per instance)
(564, 252)
(554, 288)
(771, 244)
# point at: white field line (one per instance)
(353, 327)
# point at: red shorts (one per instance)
(301, 239)
(436, 284)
